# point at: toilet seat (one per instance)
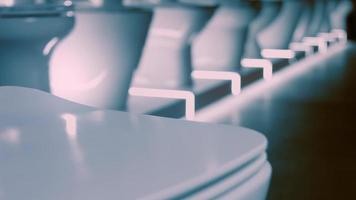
(244, 176)
(255, 188)
(74, 151)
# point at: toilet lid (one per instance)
(54, 149)
(242, 176)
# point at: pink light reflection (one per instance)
(299, 46)
(76, 151)
(234, 77)
(10, 135)
(277, 53)
(316, 41)
(218, 111)
(188, 96)
(265, 64)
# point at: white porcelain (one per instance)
(279, 33)
(317, 19)
(339, 15)
(255, 189)
(95, 63)
(325, 26)
(304, 22)
(27, 39)
(220, 45)
(54, 149)
(166, 60)
(269, 11)
(248, 181)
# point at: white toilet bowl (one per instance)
(29, 31)
(268, 12)
(279, 33)
(220, 45)
(325, 26)
(317, 19)
(166, 60)
(340, 13)
(95, 63)
(301, 30)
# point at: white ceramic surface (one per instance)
(255, 189)
(317, 19)
(243, 178)
(95, 63)
(166, 60)
(339, 15)
(54, 149)
(325, 26)
(220, 45)
(304, 22)
(279, 33)
(269, 11)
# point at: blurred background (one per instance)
(283, 68)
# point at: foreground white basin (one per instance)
(53, 149)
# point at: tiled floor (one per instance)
(310, 123)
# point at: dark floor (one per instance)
(310, 123)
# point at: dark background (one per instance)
(351, 23)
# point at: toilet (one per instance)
(325, 26)
(166, 60)
(73, 151)
(314, 28)
(29, 32)
(273, 27)
(270, 35)
(339, 15)
(220, 46)
(163, 77)
(338, 20)
(268, 11)
(278, 34)
(73, 147)
(193, 47)
(316, 22)
(304, 22)
(94, 64)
